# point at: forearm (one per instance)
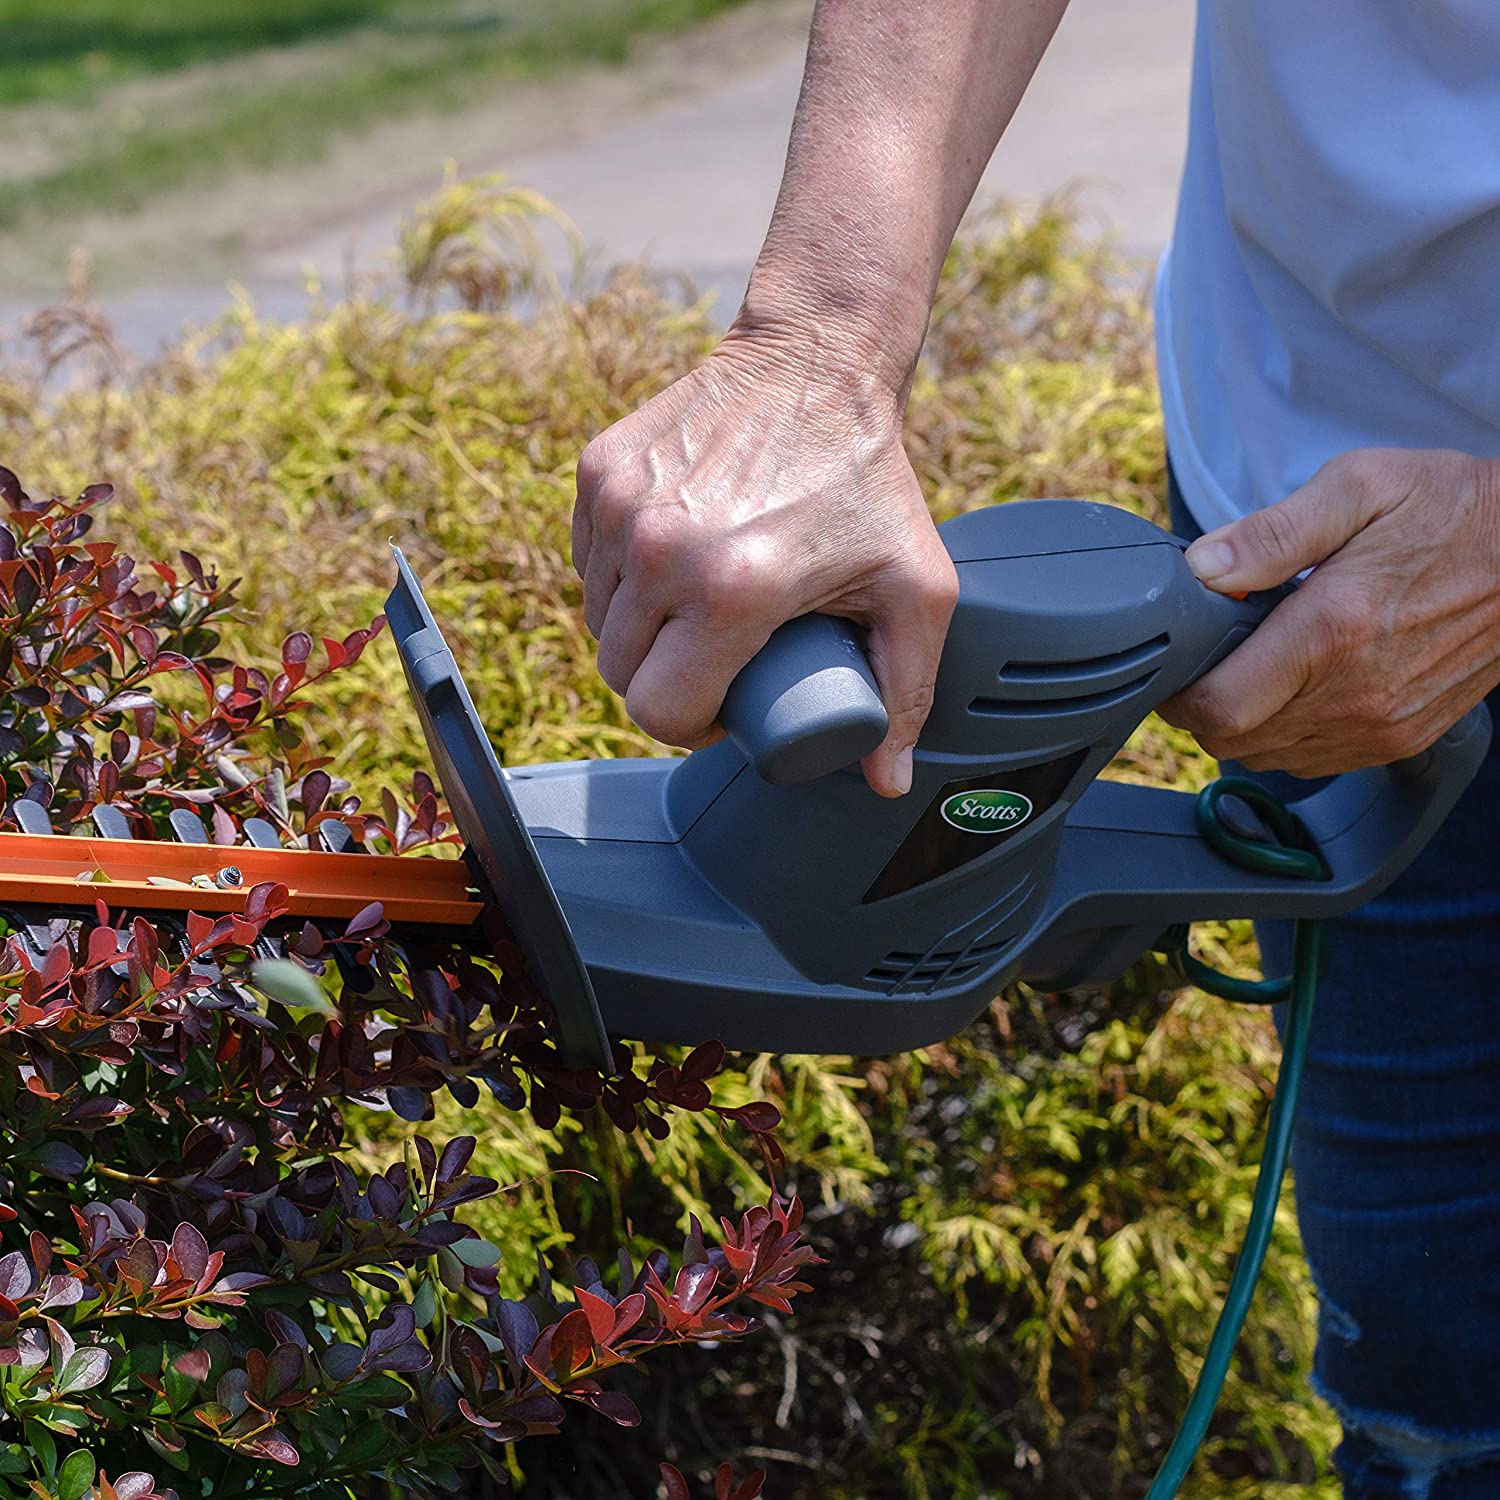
(902, 104)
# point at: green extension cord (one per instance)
(1292, 857)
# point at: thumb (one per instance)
(1268, 547)
(906, 635)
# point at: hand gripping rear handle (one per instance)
(806, 704)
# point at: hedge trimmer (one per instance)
(758, 892)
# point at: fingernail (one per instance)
(1210, 560)
(901, 773)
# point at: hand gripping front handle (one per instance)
(806, 704)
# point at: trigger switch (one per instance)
(1241, 819)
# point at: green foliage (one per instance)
(1030, 1228)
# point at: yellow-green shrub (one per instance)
(1030, 1226)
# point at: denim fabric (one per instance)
(1397, 1160)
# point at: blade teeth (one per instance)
(111, 822)
(31, 816)
(336, 836)
(261, 833)
(188, 826)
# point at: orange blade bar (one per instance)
(63, 870)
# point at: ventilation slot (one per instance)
(1051, 708)
(922, 973)
(1130, 662)
(1034, 689)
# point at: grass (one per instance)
(73, 49)
(119, 101)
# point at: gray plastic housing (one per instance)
(816, 916)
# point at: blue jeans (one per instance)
(1397, 1160)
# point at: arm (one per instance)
(771, 481)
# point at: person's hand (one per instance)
(768, 483)
(1387, 644)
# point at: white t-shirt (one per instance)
(1334, 276)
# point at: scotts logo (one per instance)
(986, 811)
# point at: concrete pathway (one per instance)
(690, 186)
(687, 183)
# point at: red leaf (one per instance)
(572, 1343)
(296, 648)
(506, 1429)
(615, 1405)
(194, 1363)
(758, 1115)
(57, 965)
(146, 944)
(627, 1315)
(694, 1286)
(365, 919)
(266, 900)
(600, 1314)
(337, 656)
(275, 1448)
(243, 933)
(456, 1156)
(104, 946)
(190, 1251)
(769, 1299)
(676, 1485)
(315, 788)
(703, 1061)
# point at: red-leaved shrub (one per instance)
(193, 1279)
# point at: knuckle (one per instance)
(1358, 469)
(735, 587)
(1400, 738)
(938, 590)
(925, 574)
(661, 720)
(1212, 718)
(611, 667)
(591, 467)
(1275, 530)
(911, 705)
(654, 545)
(615, 501)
